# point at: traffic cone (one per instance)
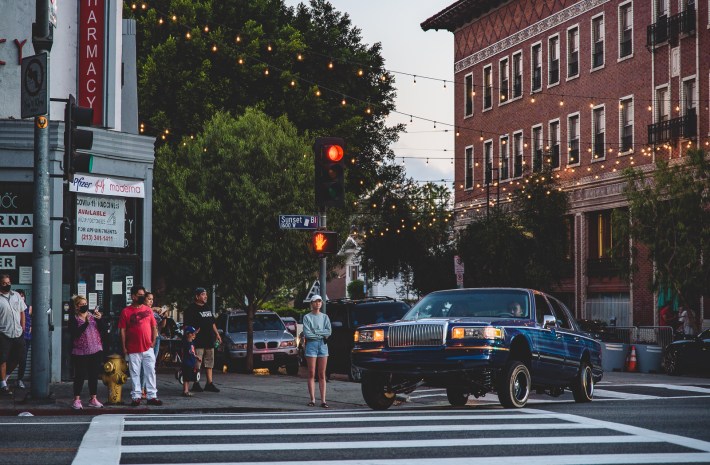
(631, 360)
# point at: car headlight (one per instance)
(239, 346)
(487, 332)
(290, 343)
(370, 335)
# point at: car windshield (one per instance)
(238, 324)
(377, 313)
(474, 303)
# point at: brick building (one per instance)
(590, 87)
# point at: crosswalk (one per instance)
(603, 392)
(358, 437)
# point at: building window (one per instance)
(488, 158)
(573, 140)
(487, 87)
(504, 83)
(626, 31)
(600, 235)
(597, 42)
(553, 57)
(468, 98)
(554, 146)
(537, 149)
(504, 165)
(663, 104)
(598, 132)
(536, 68)
(573, 52)
(353, 272)
(517, 154)
(626, 121)
(517, 74)
(688, 97)
(662, 9)
(468, 181)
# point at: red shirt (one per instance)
(138, 323)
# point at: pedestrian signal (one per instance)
(324, 242)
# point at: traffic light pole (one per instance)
(42, 42)
(323, 264)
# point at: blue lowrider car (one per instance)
(476, 341)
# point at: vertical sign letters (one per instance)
(92, 42)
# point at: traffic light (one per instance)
(324, 242)
(329, 164)
(77, 139)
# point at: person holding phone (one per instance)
(87, 349)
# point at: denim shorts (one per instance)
(316, 348)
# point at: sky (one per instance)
(406, 48)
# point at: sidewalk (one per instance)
(239, 393)
(245, 393)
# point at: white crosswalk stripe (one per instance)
(362, 437)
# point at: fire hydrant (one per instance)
(114, 377)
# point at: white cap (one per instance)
(316, 297)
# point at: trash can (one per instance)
(614, 356)
(648, 358)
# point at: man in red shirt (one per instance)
(138, 332)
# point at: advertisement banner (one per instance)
(100, 221)
(87, 184)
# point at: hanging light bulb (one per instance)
(343, 102)
(415, 80)
(240, 61)
(266, 71)
(160, 21)
(188, 36)
(207, 29)
(360, 72)
(299, 57)
(444, 84)
(238, 39)
(330, 64)
(410, 118)
(214, 48)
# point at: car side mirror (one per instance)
(548, 321)
(336, 324)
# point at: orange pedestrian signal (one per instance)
(324, 242)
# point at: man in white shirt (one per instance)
(12, 324)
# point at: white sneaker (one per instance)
(20, 384)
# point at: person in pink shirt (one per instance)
(138, 332)
(87, 350)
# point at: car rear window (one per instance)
(377, 313)
(238, 324)
(488, 303)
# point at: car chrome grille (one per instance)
(417, 334)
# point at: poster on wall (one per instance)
(100, 221)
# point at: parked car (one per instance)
(346, 315)
(476, 341)
(291, 325)
(688, 355)
(274, 345)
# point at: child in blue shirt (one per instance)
(189, 360)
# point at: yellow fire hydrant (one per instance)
(114, 377)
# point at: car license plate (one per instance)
(267, 357)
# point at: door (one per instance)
(550, 350)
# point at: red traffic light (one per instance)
(324, 242)
(334, 153)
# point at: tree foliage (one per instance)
(217, 200)
(523, 246)
(669, 213)
(408, 230)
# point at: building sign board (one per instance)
(92, 55)
(100, 221)
(86, 184)
(15, 243)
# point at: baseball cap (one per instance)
(200, 290)
(316, 297)
(189, 330)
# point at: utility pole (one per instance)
(42, 42)
(323, 264)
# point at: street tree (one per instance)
(216, 205)
(523, 245)
(669, 214)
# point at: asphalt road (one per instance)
(630, 423)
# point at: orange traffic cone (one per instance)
(631, 360)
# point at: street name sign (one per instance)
(298, 221)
